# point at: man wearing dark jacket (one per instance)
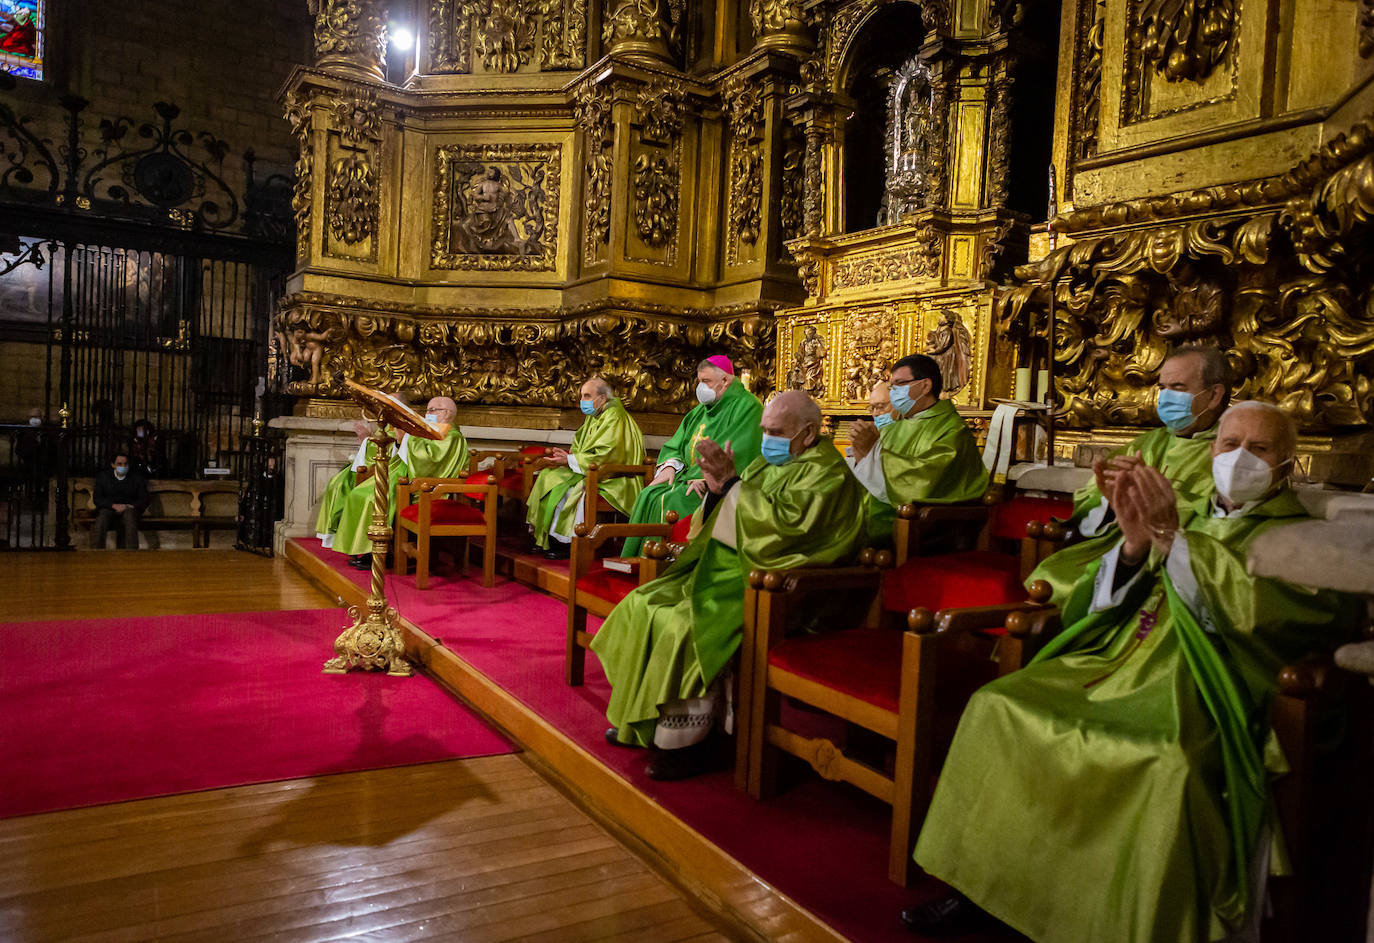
(123, 494)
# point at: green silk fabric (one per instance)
(1114, 789)
(931, 457)
(669, 639)
(734, 418)
(332, 501)
(429, 458)
(1185, 462)
(609, 437)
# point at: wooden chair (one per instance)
(509, 467)
(447, 507)
(868, 673)
(593, 589)
(992, 574)
(593, 504)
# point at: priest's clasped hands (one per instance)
(1147, 510)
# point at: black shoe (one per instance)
(613, 738)
(951, 915)
(557, 551)
(699, 758)
(361, 562)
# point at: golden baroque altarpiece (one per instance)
(563, 186)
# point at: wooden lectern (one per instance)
(373, 641)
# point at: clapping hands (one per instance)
(1147, 510)
(717, 464)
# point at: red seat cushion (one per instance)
(954, 580)
(678, 534)
(863, 663)
(533, 449)
(514, 481)
(446, 512)
(1009, 519)
(607, 584)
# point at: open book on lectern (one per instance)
(386, 408)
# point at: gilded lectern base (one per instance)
(372, 643)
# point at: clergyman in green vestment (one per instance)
(345, 480)
(926, 453)
(1194, 388)
(666, 646)
(415, 458)
(1116, 788)
(608, 436)
(727, 414)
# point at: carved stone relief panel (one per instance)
(507, 35)
(1180, 55)
(806, 371)
(352, 187)
(869, 346)
(904, 263)
(496, 207)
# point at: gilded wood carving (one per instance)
(496, 207)
(506, 35)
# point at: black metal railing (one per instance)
(34, 505)
(262, 491)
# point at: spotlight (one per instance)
(401, 38)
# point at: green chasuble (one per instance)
(422, 458)
(609, 437)
(332, 501)
(734, 417)
(930, 457)
(1115, 788)
(669, 639)
(1185, 462)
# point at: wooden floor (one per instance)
(472, 850)
(113, 583)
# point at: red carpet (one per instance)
(107, 710)
(823, 844)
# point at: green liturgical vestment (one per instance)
(670, 638)
(734, 417)
(1115, 788)
(1185, 462)
(930, 457)
(421, 458)
(332, 501)
(609, 437)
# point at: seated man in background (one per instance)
(1116, 789)
(345, 480)
(880, 408)
(608, 436)
(415, 458)
(925, 454)
(666, 646)
(1194, 388)
(122, 493)
(729, 414)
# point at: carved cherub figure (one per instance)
(307, 350)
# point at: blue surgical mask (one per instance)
(1175, 409)
(587, 407)
(776, 449)
(431, 417)
(900, 398)
(121, 470)
(883, 420)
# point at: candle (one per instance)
(1042, 385)
(1022, 391)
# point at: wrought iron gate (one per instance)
(146, 285)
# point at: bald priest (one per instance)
(416, 458)
(1117, 788)
(726, 413)
(666, 646)
(608, 436)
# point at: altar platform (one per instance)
(810, 864)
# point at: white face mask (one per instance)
(705, 395)
(35, 421)
(1241, 475)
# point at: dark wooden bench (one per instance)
(197, 506)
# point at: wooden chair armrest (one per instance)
(1309, 678)
(924, 514)
(611, 469)
(605, 531)
(1055, 532)
(968, 619)
(806, 580)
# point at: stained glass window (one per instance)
(21, 37)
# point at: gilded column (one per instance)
(350, 37)
(637, 30)
(781, 25)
